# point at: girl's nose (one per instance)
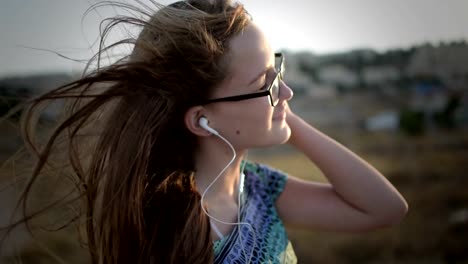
(286, 92)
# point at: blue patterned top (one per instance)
(270, 243)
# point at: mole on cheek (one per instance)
(237, 132)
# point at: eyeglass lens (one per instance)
(275, 89)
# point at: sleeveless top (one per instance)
(269, 243)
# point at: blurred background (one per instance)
(388, 79)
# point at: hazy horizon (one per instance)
(316, 26)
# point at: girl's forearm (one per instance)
(353, 179)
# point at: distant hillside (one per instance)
(445, 63)
(39, 82)
(15, 89)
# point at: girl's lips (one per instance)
(279, 115)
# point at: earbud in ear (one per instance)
(203, 122)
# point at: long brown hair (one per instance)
(131, 154)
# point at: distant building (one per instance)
(449, 63)
(374, 75)
(384, 121)
(319, 91)
(298, 81)
(338, 74)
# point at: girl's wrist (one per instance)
(293, 121)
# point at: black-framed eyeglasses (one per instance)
(272, 91)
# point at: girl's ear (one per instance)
(191, 119)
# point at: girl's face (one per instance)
(253, 122)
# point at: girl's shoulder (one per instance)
(264, 178)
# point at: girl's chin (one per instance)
(287, 134)
(282, 134)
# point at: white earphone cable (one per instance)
(238, 208)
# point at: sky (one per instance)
(28, 27)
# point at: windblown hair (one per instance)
(131, 154)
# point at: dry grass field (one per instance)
(430, 172)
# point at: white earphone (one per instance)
(203, 122)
